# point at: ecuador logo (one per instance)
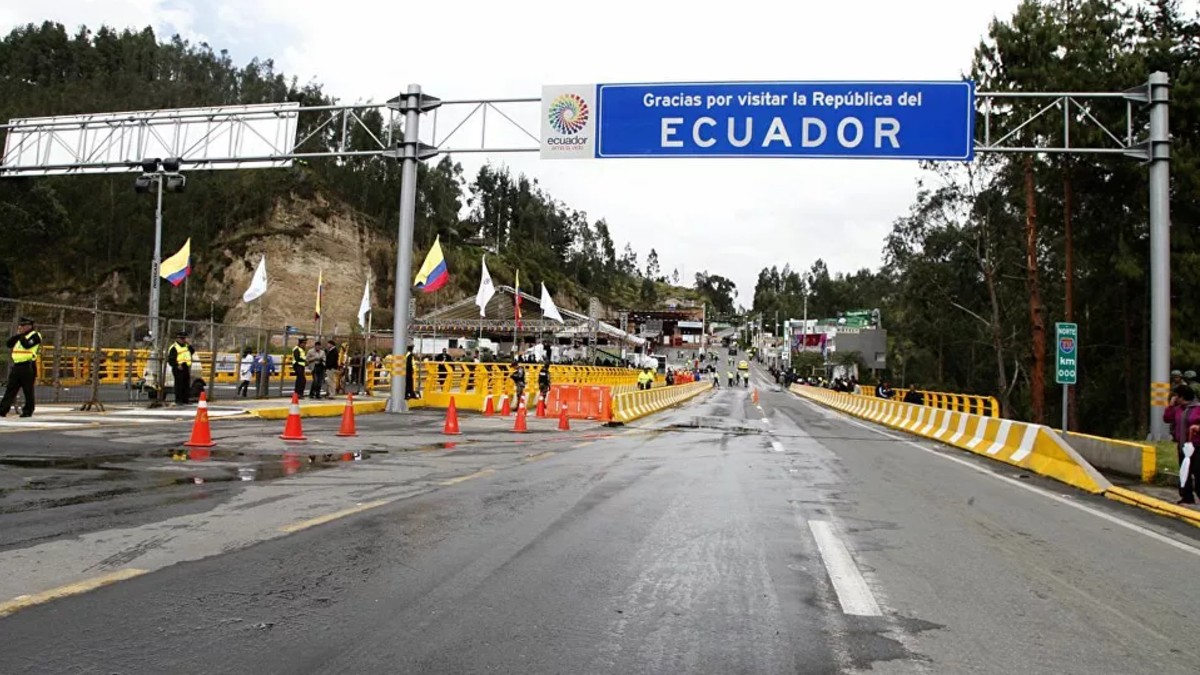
(568, 114)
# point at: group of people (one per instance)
(1182, 415)
(323, 362)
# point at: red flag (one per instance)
(517, 306)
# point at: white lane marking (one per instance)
(1187, 548)
(853, 593)
(777, 446)
(766, 421)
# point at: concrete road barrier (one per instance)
(1034, 447)
(635, 405)
(1126, 457)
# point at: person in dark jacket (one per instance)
(1183, 415)
(410, 374)
(914, 396)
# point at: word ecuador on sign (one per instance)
(882, 120)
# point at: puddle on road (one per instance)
(191, 465)
(717, 424)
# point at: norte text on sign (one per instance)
(1066, 337)
(894, 120)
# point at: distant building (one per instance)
(857, 332)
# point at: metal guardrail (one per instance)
(471, 383)
(987, 406)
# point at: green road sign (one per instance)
(1066, 336)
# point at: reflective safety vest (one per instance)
(644, 377)
(183, 355)
(298, 357)
(22, 354)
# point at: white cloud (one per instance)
(732, 217)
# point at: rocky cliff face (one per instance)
(301, 238)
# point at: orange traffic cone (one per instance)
(489, 408)
(451, 428)
(201, 433)
(291, 429)
(348, 428)
(564, 423)
(520, 427)
(506, 408)
(755, 396)
(541, 406)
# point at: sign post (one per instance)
(1066, 336)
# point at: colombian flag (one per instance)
(177, 268)
(433, 274)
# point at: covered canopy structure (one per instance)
(462, 318)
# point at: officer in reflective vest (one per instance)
(299, 363)
(179, 357)
(25, 346)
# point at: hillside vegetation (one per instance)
(992, 254)
(67, 236)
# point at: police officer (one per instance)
(299, 363)
(544, 381)
(179, 357)
(25, 345)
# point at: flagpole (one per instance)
(185, 290)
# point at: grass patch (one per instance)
(1167, 463)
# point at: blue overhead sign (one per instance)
(883, 120)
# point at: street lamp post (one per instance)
(161, 174)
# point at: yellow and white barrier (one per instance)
(637, 404)
(1034, 447)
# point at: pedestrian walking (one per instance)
(179, 357)
(25, 344)
(316, 363)
(299, 364)
(245, 371)
(1183, 415)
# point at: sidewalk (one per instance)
(1153, 497)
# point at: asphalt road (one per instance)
(715, 538)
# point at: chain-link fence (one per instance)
(92, 356)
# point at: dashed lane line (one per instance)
(470, 476)
(777, 446)
(544, 455)
(329, 517)
(26, 601)
(854, 595)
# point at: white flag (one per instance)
(548, 309)
(486, 290)
(258, 285)
(365, 305)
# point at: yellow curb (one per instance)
(26, 601)
(318, 410)
(1153, 504)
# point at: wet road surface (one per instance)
(720, 537)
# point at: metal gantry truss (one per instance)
(1092, 123)
(1104, 123)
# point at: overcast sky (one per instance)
(729, 216)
